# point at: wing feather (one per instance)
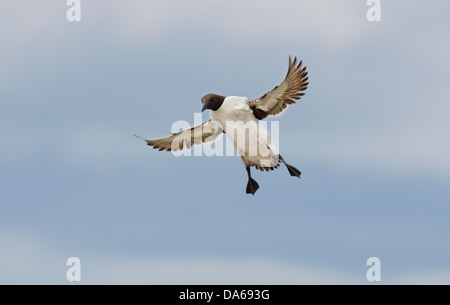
(276, 100)
(208, 131)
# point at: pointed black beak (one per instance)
(204, 108)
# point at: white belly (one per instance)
(251, 140)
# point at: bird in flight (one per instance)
(238, 118)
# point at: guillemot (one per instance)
(238, 118)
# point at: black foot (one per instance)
(293, 171)
(252, 186)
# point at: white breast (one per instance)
(234, 108)
(251, 140)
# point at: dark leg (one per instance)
(252, 185)
(292, 170)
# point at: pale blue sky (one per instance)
(371, 137)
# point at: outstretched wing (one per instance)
(209, 131)
(275, 101)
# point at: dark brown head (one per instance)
(212, 101)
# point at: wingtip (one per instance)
(149, 142)
(138, 137)
(292, 62)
